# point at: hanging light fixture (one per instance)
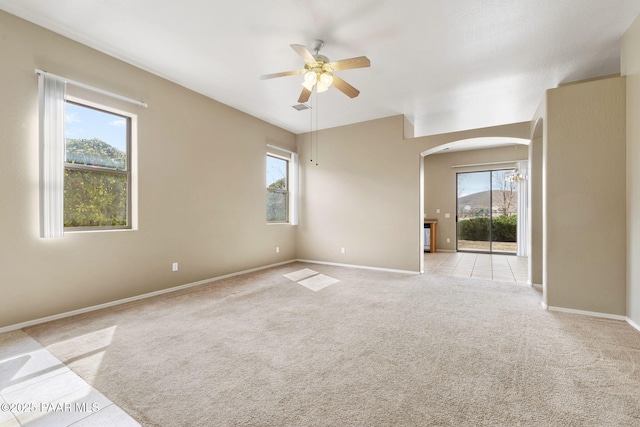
(516, 175)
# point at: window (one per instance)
(97, 168)
(277, 189)
(487, 212)
(87, 157)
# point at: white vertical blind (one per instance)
(294, 192)
(523, 210)
(52, 146)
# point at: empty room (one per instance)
(320, 213)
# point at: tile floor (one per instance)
(36, 389)
(501, 268)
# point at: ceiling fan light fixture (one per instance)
(321, 87)
(318, 71)
(310, 79)
(326, 79)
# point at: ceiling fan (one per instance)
(318, 71)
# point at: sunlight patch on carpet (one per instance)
(311, 279)
(86, 350)
(301, 274)
(320, 281)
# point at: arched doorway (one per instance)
(439, 177)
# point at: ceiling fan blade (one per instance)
(304, 96)
(348, 64)
(345, 87)
(303, 52)
(285, 73)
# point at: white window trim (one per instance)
(287, 191)
(132, 154)
(293, 184)
(52, 95)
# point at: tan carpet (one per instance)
(371, 349)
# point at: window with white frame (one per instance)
(277, 189)
(97, 169)
(87, 157)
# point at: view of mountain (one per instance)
(504, 201)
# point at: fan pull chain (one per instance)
(311, 129)
(312, 133)
(317, 131)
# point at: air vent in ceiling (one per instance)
(301, 107)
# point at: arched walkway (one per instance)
(468, 144)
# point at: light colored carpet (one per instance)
(373, 349)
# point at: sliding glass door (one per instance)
(487, 206)
(474, 211)
(504, 213)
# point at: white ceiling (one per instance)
(447, 65)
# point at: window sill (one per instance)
(97, 230)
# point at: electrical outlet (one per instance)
(447, 215)
(174, 267)
(343, 250)
(277, 249)
(437, 210)
(448, 240)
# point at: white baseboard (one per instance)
(135, 298)
(592, 313)
(364, 267)
(633, 324)
(226, 276)
(585, 313)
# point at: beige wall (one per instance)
(440, 184)
(201, 190)
(584, 216)
(201, 187)
(535, 205)
(363, 195)
(631, 68)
